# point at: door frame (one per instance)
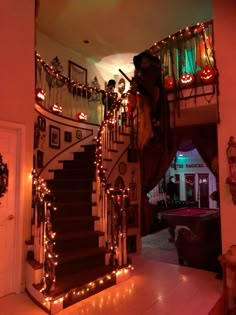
(19, 234)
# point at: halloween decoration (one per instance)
(207, 74)
(39, 96)
(186, 79)
(169, 83)
(57, 109)
(82, 116)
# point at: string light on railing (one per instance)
(42, 196)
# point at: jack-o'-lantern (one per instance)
(57, 109)
(82, 116)
(186, 79)
(40, 95)
(169, 82)
(207, 74)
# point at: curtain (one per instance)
(157, 156)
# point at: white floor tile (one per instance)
(156, 288)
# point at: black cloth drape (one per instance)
(157, 156)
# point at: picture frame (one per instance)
(54, 137)
(68, 136)
(132, 215)
(77, 73)
(132, 191)
(78, 134)
(41, 123)
(40, 155)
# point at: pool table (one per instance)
(190, 217)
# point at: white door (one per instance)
(8, 150)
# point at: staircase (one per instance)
(81, 258)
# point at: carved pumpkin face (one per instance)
(169, 83)
(82, 116)
(186, 79)
(40, 95)
(207, 74)
(57, 109)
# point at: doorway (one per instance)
(190, 187)
(203, 190)
(10, 264)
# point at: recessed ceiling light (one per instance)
(180, 154)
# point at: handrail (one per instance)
(68, 96)
(43, 204)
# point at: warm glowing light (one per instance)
(57, 109)
(82, 116)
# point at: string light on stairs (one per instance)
(43, 205)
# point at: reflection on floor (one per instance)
(156, 288)
(157, 247)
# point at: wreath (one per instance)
(3, 177)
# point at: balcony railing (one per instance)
(67, 97)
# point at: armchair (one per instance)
(200, 249)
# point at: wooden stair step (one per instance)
(78, 255)
(76, 218)
(66, 283)
(78, 235)
(118, 142)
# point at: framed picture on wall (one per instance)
(132, 191)
(54, 137)
(77, 73)
(132, 216)
(67, 136)
(39, 159)
(41, 123)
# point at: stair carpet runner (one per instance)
(80, 259)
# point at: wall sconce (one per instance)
(231, 155)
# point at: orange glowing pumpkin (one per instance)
(82, 116)
(169, 82)
(186, 79)
(40, 95)
(207, 74)
(57, 109)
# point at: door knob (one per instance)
(11, 217)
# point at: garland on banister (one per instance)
(184, 34)
(51, 71)
(43, 203)
(109, 120)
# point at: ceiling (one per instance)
(117, 26)
(117, 29)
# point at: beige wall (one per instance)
(17, 89)
(224, 15)
(48, 48)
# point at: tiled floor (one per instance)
(156, 288)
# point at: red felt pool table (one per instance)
(190, 217)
